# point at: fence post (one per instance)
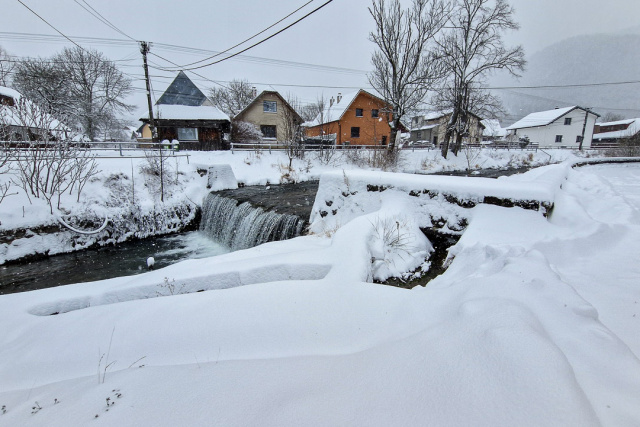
(269, 148)
(231, 151)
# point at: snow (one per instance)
(335, 111)
(534, 322)
(492, 128)
(541, 118)
(10, 92)
(631, 130)
(187, 112)
(221, 177)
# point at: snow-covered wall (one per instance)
(343, 196)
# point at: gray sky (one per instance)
(335, 36)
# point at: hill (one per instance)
(588, 59)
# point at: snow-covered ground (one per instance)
(121, 191)
(534, 323)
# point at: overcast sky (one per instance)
(334, 37)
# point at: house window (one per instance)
(419, 134)
(567, 121)
(269, 106)
(187, 134)
(374, 114)
(558, 138)
(268, 131)
(358, 112)
(579, 138)
(355, 132)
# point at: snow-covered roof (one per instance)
(436, 114)
(335, 112)
(492, 128)
(188, 112)
(10, 92)
(634, 128)
(541, 118)
(618, 122)
(426, 127)
(26, 113)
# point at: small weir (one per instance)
(241, 225)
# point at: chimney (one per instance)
(331, 102)
(254, 91)
(339, 97)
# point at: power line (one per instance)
(250, 38)
(261, 41)
(46, 22)
(93, 12)
(31, 37)
(563, 86)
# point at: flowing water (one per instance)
(241, 226)
(107, 262)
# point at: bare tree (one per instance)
(291, 130)
(43, 81)
(309, 111)
(611, 117)
(47, 164)
(79, 86)
(472, 48)
(96, 87)
(245, 132)
(6, 67)
(404, 69)
(234, 98)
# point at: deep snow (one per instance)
(534, 323)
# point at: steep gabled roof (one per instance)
(543, 118)
(272, 92)
(182, 91)
(335, 112)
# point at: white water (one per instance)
(244, 226)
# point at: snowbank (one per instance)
(534, 323)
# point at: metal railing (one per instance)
(121, 147)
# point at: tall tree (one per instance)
(404, 70)
(43, 81)
(471, 48)
(97, 89)
(78, 86)
(233, 98)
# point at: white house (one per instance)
(562, 127)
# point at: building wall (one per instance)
(436, 135)
(255, 114)
(373, 131)
(545, 136)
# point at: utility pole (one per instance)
(584, 126)
(144, 49)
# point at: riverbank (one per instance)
(128, 196)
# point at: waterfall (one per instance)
(244, 226)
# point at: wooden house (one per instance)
(185, 114)
(357, 118)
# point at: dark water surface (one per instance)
(105, 263)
